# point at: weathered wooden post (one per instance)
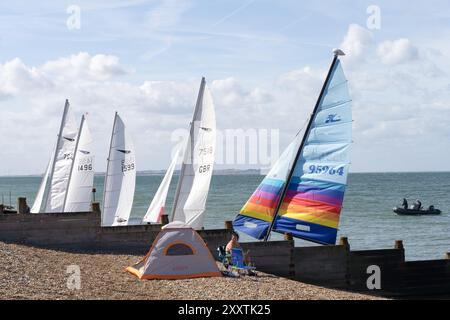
(447, 256)
(399, 245)
(95, 207)
(343, 241)
(22, 206)
(1, 209)
(288, 237)
(229, 225)
(164, 219)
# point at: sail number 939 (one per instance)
(313, 169)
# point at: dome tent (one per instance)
(178, 252)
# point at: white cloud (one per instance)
(356, 42)
(16, 77)
(396, 106)
(397, 51)
(85, 66)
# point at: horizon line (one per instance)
(158, 171)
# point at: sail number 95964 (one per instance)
(313, 169)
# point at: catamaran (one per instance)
(120, 178)
(52, 194)
(197, 166)
(303, 193)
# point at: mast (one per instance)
(337, 53)
(52, 171)
(73, 161)
(191, 136)
(107, 165)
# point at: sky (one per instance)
(264, 61)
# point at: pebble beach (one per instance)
(35, 273)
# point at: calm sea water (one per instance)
(367, 218)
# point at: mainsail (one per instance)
(120, 178)
(197, 167)
(81, 181)
(51, 194)
(308, 201)
(156, 208)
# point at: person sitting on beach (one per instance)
(405, 203)
(234, 243)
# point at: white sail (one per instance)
(81, 182)
(156, 208)
(62, 162)
(196, 171)
(37, 204)
(120, 179)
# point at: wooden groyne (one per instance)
(341, 268)
(381, 272)
(82, 231)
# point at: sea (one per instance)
(367, 218)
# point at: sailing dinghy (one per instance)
(197, 167)
(53, 189)
(156, 208)
(303, 193)
(81, 179)
(120, 178)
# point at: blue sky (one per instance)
(221, 38)
(266, 59)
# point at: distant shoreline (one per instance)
(226, 172)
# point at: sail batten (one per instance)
(308, 201)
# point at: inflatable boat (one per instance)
(414, 212)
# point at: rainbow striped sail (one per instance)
(257, 214)
(309, 205)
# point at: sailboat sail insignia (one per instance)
(307, 201)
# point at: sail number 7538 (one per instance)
(326, 170)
